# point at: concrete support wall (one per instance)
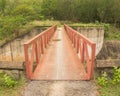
(96, 34)
(14, 50)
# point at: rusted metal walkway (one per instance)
(61, 54)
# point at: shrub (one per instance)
(116, 75)
(10, 26)
(24, 10)
(9, 82)
(6, 80)
(106, 28)
(103, 79)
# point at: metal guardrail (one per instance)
(85, 49)
(35, 48)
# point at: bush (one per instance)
(24, 10)
(106, 28)
(103, 79)
(6, 80)
(9, 26)
(116, 75)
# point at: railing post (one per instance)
(72, 37)
(47, 37)
(45, 40)
(80, 44)
(77, 44)
(27, 60)
(75, 41)
(42, 46)
(37, 52)
(82, 52)
(93, 60)
(38, 44)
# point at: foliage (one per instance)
(14, 14)
(113, 33)
(6, 80)
(10, 26)
(9, 82)
(2, 5)
(116, 75)
(87, 24)
(106, 88)
(45, 23)
(12, 91)
(103, 79)
(110, 90)
(106, 28)
(82, 10)
(24, 10)
(104, 11)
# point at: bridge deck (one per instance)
(60, 61)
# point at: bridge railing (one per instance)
(85, 49)
(34, 49)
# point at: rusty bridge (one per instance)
(60, 54)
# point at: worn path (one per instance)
(60, 88)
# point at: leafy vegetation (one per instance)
(11, 31)
(103, 79)
(6, 81)
(15, 14)
(82, 10)
(113, 33)
(116, 75)
(106, 83)
(9, 86)
(110, 90)
(87, 25)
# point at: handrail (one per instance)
(85, 49)
(36, 47)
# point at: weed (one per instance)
(6, 81)
(103, 79)
(116, 75)
(109, 90)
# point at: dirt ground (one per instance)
(60, 88)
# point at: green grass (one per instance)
(113, 33)
(28, 27)
(110, 90)
(45, 23)
(13, 91)
(86, 25)
(109, 85)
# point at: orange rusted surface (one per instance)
(60, 61)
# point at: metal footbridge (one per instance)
(60, 54)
